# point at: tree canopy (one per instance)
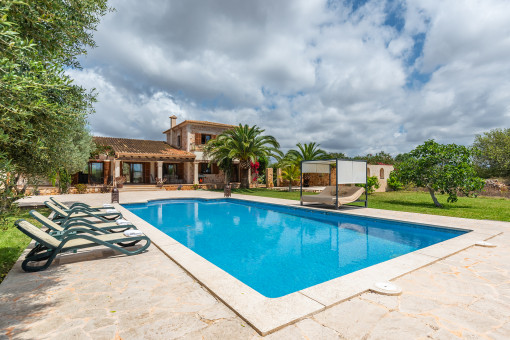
(492, 157)
(244, 143)
(379, 158)
(444, 168)
(307, 152)
(43, 115)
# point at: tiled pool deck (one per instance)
(98, 295)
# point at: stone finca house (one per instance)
(179, 160)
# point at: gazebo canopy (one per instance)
(347, 172)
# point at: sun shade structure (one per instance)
(347, 172)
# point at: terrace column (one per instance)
(117, 168)
(195, 173)
(160, 169)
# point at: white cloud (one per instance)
(304, 71)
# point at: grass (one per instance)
(13, 241)
(482, 208)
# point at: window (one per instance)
(205, 169)
(381, 174)
(206, 138)
(96, 173)
(179, 141)
(169, 169)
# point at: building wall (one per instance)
(188, 133)
(378, 170)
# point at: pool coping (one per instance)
(267, 315)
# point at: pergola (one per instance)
(347, 172)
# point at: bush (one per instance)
(9, 193)
(372, 184)
(394, 183)
(81, 188)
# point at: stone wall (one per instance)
(382, 171)
(269, 177)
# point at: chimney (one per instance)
(173, 121)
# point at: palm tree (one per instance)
(291, 173)
(216, 150)
(245, 144)
(307, 152)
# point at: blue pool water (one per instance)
(279, 250)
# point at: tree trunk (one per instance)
(290, 186)
(436, 202)
(245, 179)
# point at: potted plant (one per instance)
(120, 181)
(160, 182)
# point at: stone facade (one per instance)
(269, 177)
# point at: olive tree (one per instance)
(493, 153)
(43, 114)
(444, 168)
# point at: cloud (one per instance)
(355, 76)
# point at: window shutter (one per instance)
(180, 170)
(215, 169)
(198, 138)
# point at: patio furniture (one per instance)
(49, 247)
(347, 172)
(328, 195)
(65, 215)
(79, 223)
(77, 205)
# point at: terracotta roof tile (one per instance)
(153, 148)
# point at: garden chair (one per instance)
(49, 247)
(64, 215)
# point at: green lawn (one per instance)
(13, 241)
(420, 202)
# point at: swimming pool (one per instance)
(278, 250)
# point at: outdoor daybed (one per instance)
(328, 195)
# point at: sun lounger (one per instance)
(64, 215)
(80, 204)
(328, 195)
(80, 223)
(49, 247)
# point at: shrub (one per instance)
(81, 188)
(372, 184)
(393, 181)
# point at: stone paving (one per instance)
(101, 295)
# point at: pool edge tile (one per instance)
(268, 315)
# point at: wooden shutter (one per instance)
(214, 136)
(106, 172)
(180, 170)
(146, 172)
(198, 138)
(215, 169)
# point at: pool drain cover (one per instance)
(386, 288)
(485, 244)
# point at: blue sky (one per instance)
(354, 76)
